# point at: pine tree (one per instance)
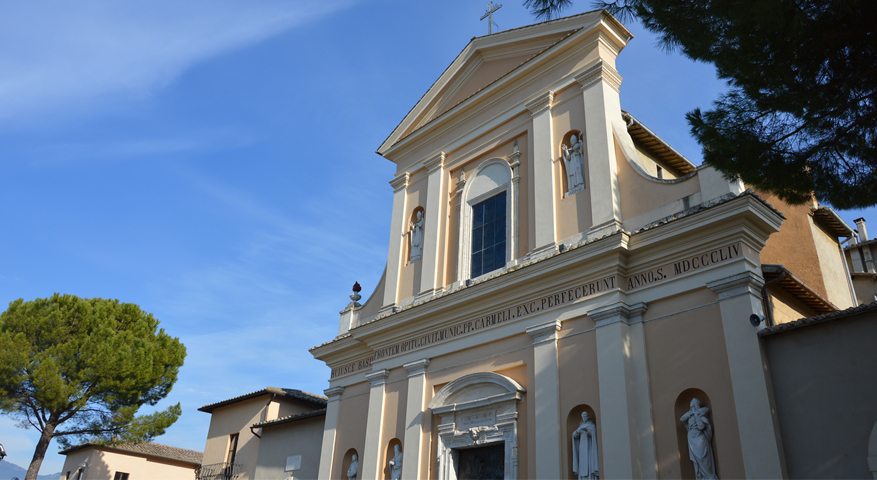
(79, 369)
(800, 116)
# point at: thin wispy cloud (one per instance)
(61, 58)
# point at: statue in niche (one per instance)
(396, 464)
(584, 450)
(574, 159)
(700, 435)
(416, 237)
(354, 468)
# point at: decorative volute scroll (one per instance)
(477, 409)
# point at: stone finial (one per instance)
(356, 289)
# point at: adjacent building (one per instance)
(861, 253)
(129, 462)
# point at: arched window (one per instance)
(487, 220)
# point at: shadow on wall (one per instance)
(572, 423)
(683, 402)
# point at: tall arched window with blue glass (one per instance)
(487, 226)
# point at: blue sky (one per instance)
(214, 162)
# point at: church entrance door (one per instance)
(481, 463)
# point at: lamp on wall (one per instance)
(2, 452)
(83, 465)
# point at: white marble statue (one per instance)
(584, 450)
(700, 435)
(574, 159)
(354, 468)
(416, 237)
(396, 464)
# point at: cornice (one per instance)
(541, 103)
(376, 379)
(599, 71)
(544, 331)
(334, 393)
(743, 283)
(618, 312)
(435, 163)
(417, 367)
(400, 181)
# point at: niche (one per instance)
(388, 455)
(572, 423)
(416, 222)
(348, 459)
(572, 156)
(686, 467)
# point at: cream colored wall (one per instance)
(71, 463)
(352, 418)
(103, 465)
(235, 418)
(793, 246)
(830, 257)
(676, 363)
(508, 357)
(866, 288)
(640, 195)
(303, 437)
(579, 381)
(573, 214)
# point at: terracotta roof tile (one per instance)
(147, 448)
(825, 317)
(284, 392)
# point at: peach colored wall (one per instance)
(71, 463)
(516, 365)
(573, 214)
(395, 405)
(373, 304)
(793, 246)
(103, 465)
(640, 195)
(676, 364)
(579, 381)
(866, 288)
(235, 418)
(352, 417)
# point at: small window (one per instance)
(660, 172)
(232, 447)
(121, 476)
(489, 235)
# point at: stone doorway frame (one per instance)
(477, 409)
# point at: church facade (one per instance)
(566, 296)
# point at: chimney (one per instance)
(863, 232)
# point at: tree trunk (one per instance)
(40, 453)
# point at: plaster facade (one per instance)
(103, 463)
(626, 299)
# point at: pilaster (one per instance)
(412, 452)
(547, 388)
(397, 234)
(327, 452)
(515, 164)
(429, 281)
(543, 175)
(600, 83)
(625, 406)
(740, 297)
(371, 451)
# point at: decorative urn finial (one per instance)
(356, 289)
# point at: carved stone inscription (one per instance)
(573, 294)
(477, 419)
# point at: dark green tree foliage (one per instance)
(79, 369)
(800, 116)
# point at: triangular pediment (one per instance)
(483, 62)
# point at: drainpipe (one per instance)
(765, 302)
